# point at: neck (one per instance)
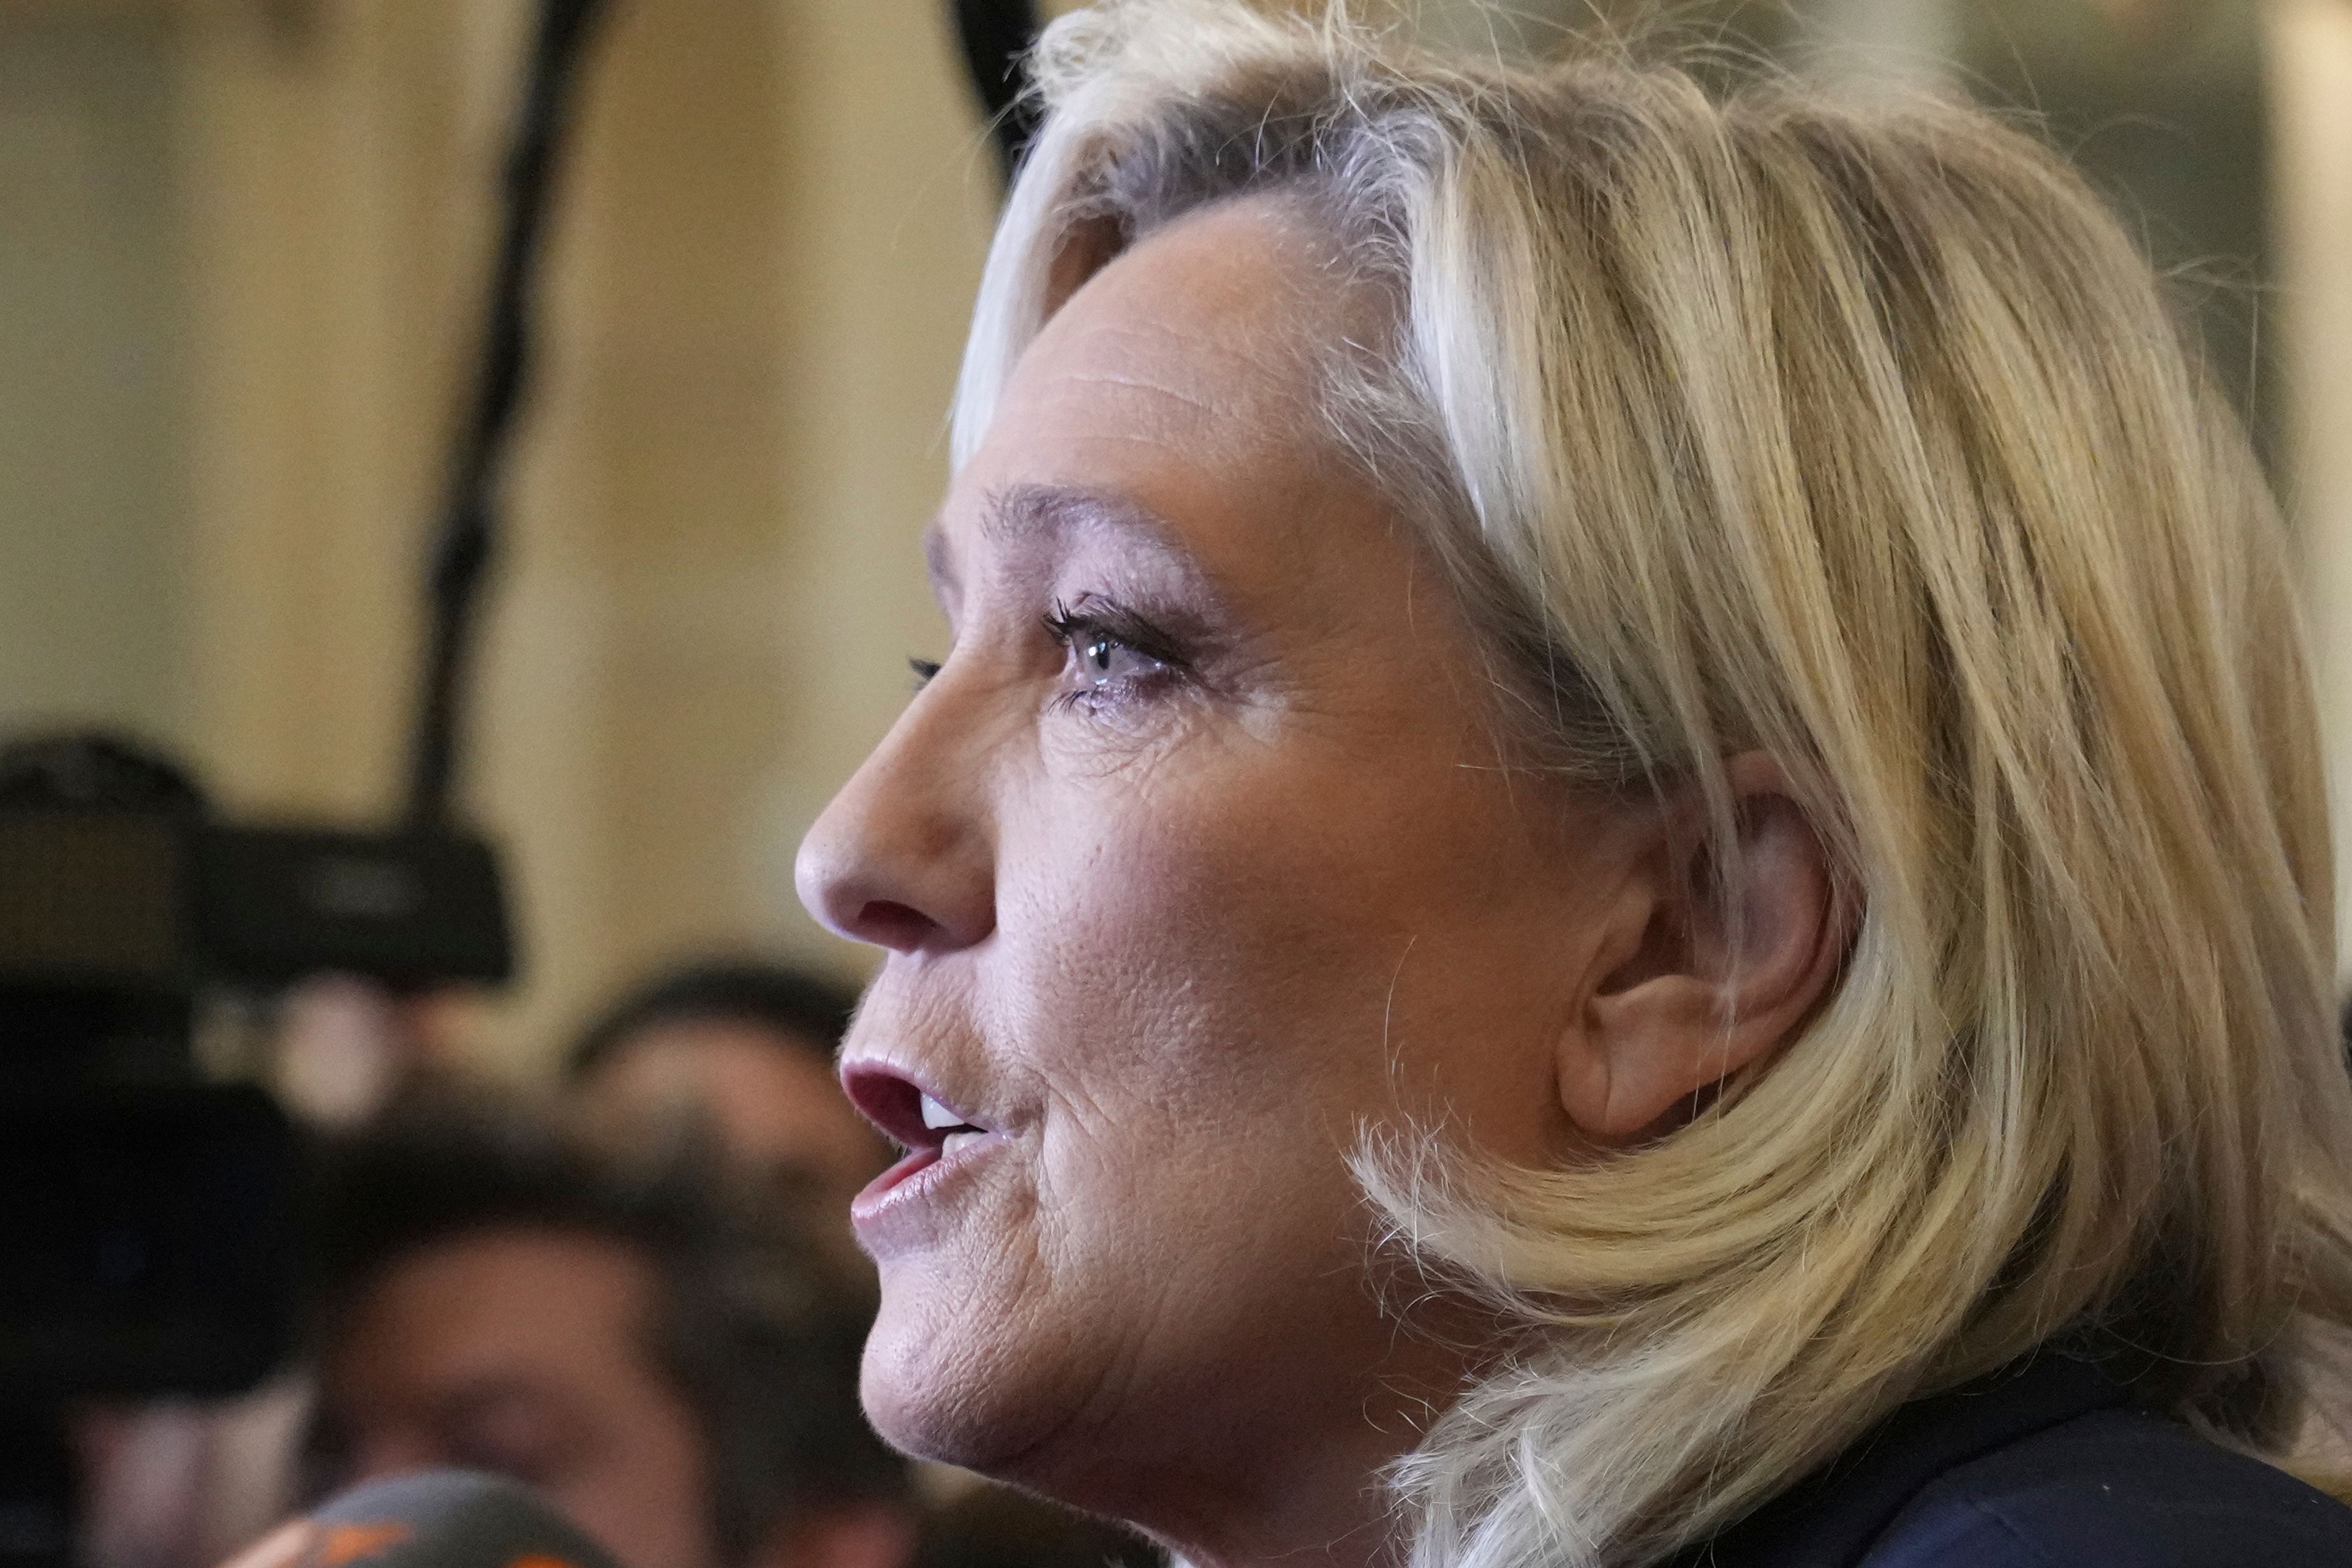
(1328, 1514)
(1275, 1483)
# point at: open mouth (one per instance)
(931, 1132)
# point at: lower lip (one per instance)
(901, 1195)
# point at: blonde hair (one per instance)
(1861, 435)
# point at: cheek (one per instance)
(1211, 977)
(1203, 974)
(1191, 1004)
(1190, 945)
(1255, 956)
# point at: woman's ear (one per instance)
(1707, 968)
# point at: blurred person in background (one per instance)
(743, 1050)
(673, 1369)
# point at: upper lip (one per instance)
(893, 1101)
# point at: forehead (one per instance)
(1182, 375)
(495, 1303)
(1231, 300)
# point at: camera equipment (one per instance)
(447, 1519)
(147, 1216)
(152, 1253)
(147, 1226)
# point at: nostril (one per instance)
(898, 865)
(888, 923)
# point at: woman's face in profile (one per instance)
(1195, 859)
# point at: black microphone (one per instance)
(435, 1519)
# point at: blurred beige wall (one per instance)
(772, 226)
(716, 578)
(92, 255)
(2311, 73)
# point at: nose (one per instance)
(393, 1451)
(904, 856)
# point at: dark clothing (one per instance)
(2044, 1467)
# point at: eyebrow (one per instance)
(1025, 512)
(1032, 513)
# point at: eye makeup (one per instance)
(1112, 653)
(1126, 605)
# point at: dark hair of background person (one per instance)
(789, 1003)
(996, 1527)
(756, 1330)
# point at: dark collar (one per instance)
(1829, 1519)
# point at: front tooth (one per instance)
(936, 1116)
(955, 1141)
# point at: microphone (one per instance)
(435, 1519)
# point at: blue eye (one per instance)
(1102, 659)
(1111, 653)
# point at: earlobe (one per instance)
(1720, 955)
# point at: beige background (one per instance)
(239, 244)
(773, 222)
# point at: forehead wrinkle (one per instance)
(1269, 351)
(1128, 381)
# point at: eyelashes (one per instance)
(1110, 654)
(1099, 622)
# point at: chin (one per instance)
(965, 1382)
